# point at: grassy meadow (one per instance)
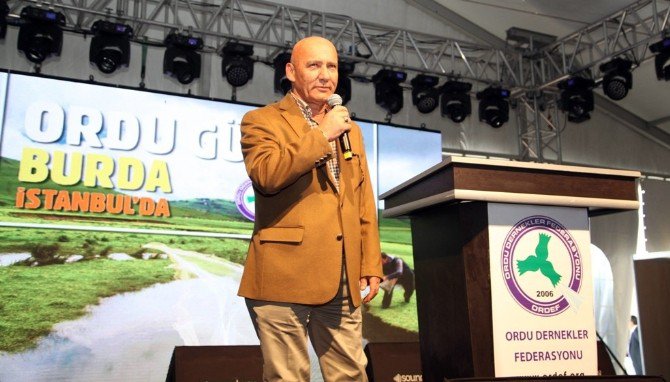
(396, 240)
(99, 244)
(34, 299)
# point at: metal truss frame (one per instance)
(273, 28)
(627, 32)
(538, 124)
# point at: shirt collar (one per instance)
(304, 107)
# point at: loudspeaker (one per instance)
(216, 363)
(393, 361)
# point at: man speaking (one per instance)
(315, 245)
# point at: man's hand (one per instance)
(373, 281)
(335, 123)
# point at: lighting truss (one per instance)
(539, 127)
(274, 27)
(626, 32)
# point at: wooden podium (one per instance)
(449, 208)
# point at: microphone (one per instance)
(345, 145)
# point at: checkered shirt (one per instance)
(333, 164)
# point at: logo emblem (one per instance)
(244, 200)
(542, 266)
(408, 378)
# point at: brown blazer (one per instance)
(302, 223)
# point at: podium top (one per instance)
(473, 179)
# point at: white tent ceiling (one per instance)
(557, 18)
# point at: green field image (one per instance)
(396, 240)
(199, 215)
(35, 298)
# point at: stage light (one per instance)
(181, 59)
(493, 106)
(388, 93)
(344, 70)
(455, 101)
(281, 82)
(662, 50)
(425, 95)
(40, 35)
(577, 98)
(110, 45)
(618, 79)
(4, 11)
(237, 65)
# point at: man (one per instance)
(396, 271)
(315, 244)
(634, 346)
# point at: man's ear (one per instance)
(290, 71)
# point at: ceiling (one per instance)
(649, 97)
(557, 18)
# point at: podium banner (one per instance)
(541, 291)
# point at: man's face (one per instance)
(313, 71)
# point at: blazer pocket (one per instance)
(290, 235)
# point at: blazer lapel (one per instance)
(294, 117)
(326, 170)
(292, 114)
(345, 170)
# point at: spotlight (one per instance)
(455, 100)
(4, 11)
(577, 98)
(110, 46)
(425, 95)
(237, 65)
(618, 79)
(40, 35)
(662, 50)
(181, 59)
(344, 69)
(388, 93)
(493, 106)
(282, 84)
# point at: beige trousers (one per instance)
(335, 330)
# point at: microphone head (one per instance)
(334, 100)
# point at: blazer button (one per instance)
(339, 237)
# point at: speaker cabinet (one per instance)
(393, 362)
(216, 363)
